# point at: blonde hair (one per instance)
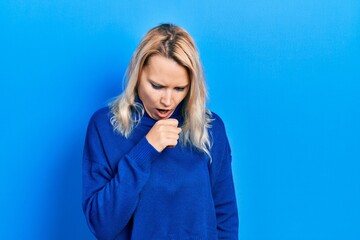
(172, 42)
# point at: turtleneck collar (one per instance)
(147, 120)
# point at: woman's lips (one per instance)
(163, 113)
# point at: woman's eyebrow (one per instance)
(184, 86)
(160, 85)
(153, 82)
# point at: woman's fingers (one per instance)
(164, 133)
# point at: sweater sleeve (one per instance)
(224, 194)
(110, 197)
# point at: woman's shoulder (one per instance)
(216, 123)
(101, 119)
(100, 115)
(217, 129)
(216, 118)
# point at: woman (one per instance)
(157, 163)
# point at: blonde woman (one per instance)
(157, 162)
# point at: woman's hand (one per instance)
(164, 133)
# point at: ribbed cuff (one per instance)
(143, 153)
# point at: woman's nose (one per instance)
(166, 98)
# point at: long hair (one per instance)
(175, 43)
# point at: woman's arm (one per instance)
(109, 200)
(225, 201)
(222, 182)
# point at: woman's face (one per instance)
(163, 85)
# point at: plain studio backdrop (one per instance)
(283, 75)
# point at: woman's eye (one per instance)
(156, 86)
(180, 89)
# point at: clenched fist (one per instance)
(164, 133)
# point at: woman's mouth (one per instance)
(163, 113)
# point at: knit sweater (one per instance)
(131, 191)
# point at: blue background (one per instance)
(283, 75)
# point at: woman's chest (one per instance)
(178, 172)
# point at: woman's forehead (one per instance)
(164, 71)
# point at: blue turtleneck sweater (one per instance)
(131, 191)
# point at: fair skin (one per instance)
(162, 86)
